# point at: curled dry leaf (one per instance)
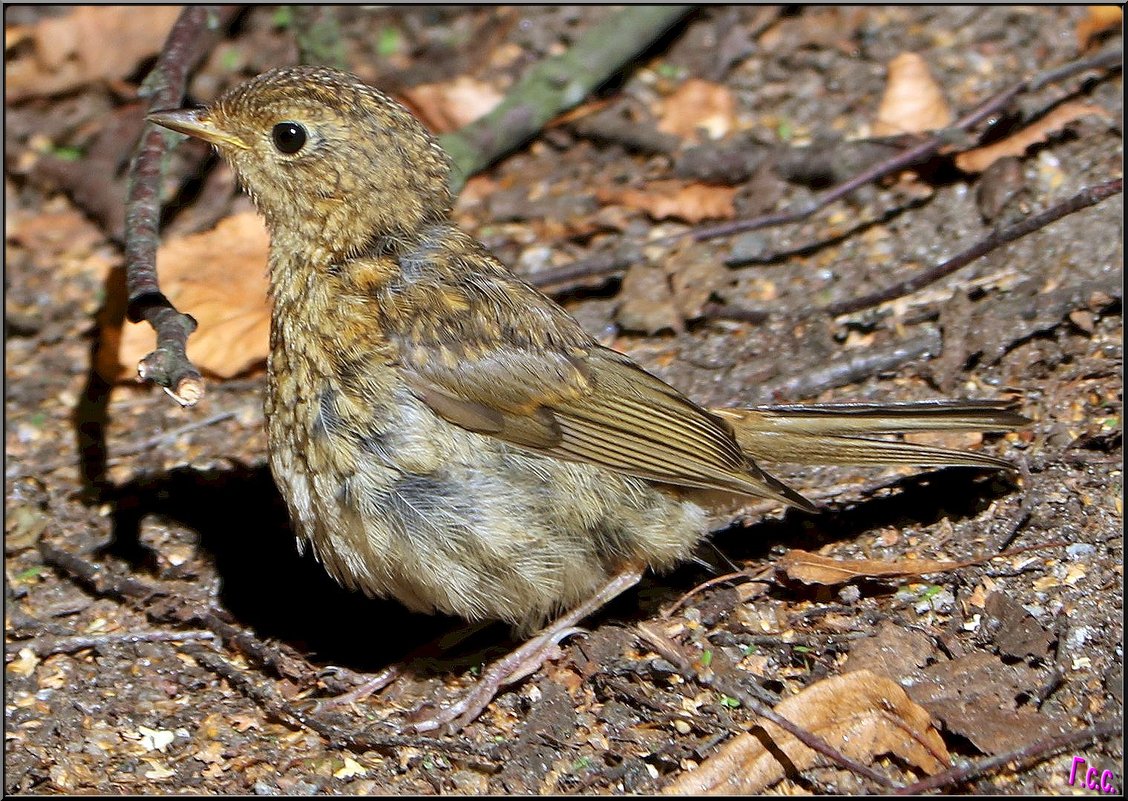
(981, 158)
(664, 200)
(913, 101)
(448, 106)
(218, 277)
(861, 714)
(90, 43)
(810, 568)
(698, 105)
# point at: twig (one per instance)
(557, 84)
(160, 607)
(124, 588)
(168, 365)
(673, 654)
(46, 646)
(1025, 509)
(1089, 196)
(93, 576)
(852, 368)
(966, 773)
(167, 436)
(267, 697)
(608, 263)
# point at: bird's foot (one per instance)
(523, 661)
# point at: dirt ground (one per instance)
(1003, 653)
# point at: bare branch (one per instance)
(168, 366)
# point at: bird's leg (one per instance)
(525, 659)
(392, 672)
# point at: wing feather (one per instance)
(503, 360)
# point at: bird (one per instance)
(445, 434)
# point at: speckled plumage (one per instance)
(443, 433)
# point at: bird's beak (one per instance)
(195, 122)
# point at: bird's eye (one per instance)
(289, 137)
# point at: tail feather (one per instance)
(835, 434)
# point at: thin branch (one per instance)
(1043, 748)
(268, 699)
(671, 653)
(46, 646)
(168, 366)
(609, 263)
(157, 440)
(1090, 196)
(852, 367)
(94, 576)
(557, 84)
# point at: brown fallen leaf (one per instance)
(978, 697)
(810, 568)
(1015, 631)
(913, 101)
(654, 298)
(894, 651)
(1096, 21)
(218, 277)
(663, 200)
(695, 274)
(981, 158)
(448, 106)
(698, 105)
(815, 27)
(647, 301)
(90, 43)
(861, 714)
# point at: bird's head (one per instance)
(327, 159)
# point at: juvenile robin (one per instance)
(443, 433)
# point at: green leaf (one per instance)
(67, 153)
(283, 17)
(388, 41)
(583, 763)
(931, 592)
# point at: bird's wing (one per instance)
(496, 357)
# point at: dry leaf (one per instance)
(913, 101)
(218, 277)
(976, 696)
(815, 27)
(695, 274)
(91, 43)
(810, 568)
(648, 302)
(981, 158)
(660, 297)
(448, 106)
(1098, 20)
(695, 105)
(861, 714)
(664, 200)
